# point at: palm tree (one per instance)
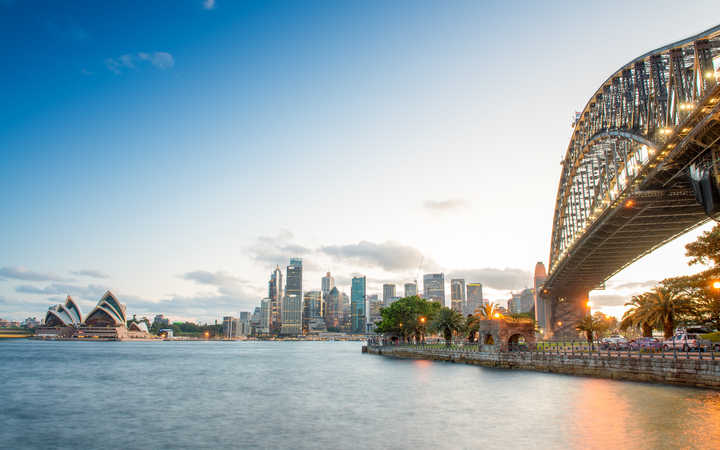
(488, 311)
(472, 326)
(589, 325)
(666, 307)
(638, 316)
(447, 322)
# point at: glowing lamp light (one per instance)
(559, 324)
(497, 315)
(708, 74)
(629, 204)
(422, 320)
(589, 304)
(716, 285)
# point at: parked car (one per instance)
(683, 342)
(614, 342)
(646, 344)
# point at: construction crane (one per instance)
(419, 269)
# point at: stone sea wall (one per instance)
(695, 372)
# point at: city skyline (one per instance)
(146, 162)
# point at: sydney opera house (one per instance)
(107, 321)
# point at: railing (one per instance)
(565, 349)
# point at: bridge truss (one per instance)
(624, 188)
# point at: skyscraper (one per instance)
(293, 299)
(434, 287)
(374, 305)
(275, 294)
(474, 297)
(410, 289)
(358, 304)
(388, 293)
(328, 282)
(333, 310)
(457, 295)
(265, 315)
(312, 308)
(542, 307)
(291, 315)
(293, 283)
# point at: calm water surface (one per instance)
(314, 395)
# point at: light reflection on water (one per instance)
(322, 395)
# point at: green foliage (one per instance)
(608, 324)
(447, 323)
(471, 327)
(681, 300)
(487, 311)
(589, 325)
(706, 249)
(404, 317)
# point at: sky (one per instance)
(176, 152)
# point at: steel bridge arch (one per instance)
(626, 130)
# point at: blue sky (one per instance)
(176, 151)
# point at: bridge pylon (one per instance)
(566, 310)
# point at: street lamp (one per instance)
(716, 284)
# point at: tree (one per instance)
(666, 307)
(589, 325)
(488, 311)
(607, 323)
(638, 316)
(408, 317)
(706, 249)
(472, 327)
(447, 322)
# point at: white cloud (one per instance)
(445, 205)
(389, 256)
(89, 273)
(21, 273)
(159, 60)
(500, 279)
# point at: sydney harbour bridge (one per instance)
(641, 168)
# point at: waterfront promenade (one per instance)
(680, 368)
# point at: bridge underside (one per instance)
(630, 231)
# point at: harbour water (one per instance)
(152, 395)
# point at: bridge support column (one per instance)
(567, 311)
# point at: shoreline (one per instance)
(698, 373)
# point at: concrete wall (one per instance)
(703, 373)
